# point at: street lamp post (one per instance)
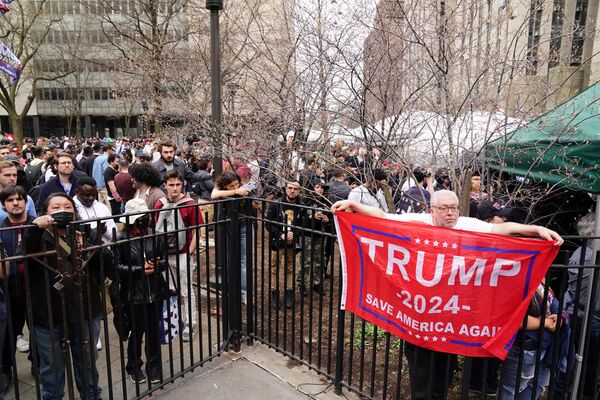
(215, 82)
(230, 261)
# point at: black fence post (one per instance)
(234, 283)
(219, 279)
(339, 352)
(248, 223)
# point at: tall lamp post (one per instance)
(215, 83)
(229, 265)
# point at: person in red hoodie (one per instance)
(181, 243)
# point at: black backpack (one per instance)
(34, 174)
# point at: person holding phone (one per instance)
(141, 289)
(88, 208)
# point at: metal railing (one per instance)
(254, 285)
(75, 289)
(364, 359)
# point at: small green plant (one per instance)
(371, 334)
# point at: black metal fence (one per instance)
(358, 356)
(260, 271)
(74, 286)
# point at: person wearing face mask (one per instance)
(59, 321)
(142, 289)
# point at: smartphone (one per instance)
(250, 186)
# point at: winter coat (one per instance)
(279, 212)
(134, 285)
(76, 289)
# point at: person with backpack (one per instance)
(369, 192)
(33, 170)
(173, 218)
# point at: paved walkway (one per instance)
(257, 373)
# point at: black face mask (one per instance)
(62, 218)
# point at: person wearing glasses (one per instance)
(64, 181)
(431, 371)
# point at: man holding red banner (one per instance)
(430, 370)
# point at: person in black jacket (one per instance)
(142, 289)
(69, 324)
(319, 221)
(13, 200)
(284, 241)
(64, 182)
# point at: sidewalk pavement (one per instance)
(256, 373)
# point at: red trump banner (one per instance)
(443, 289)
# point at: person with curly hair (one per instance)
(146, 181)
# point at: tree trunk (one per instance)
(16, 125)
(78, 124)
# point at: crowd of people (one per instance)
(55, 181)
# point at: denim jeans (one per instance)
(508, 376)
(52, 359)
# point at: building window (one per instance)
(60, 94)
(533, 39)
(558, 15)
(579, 34)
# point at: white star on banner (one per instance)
(427, 241)
(445, 244)
(410, 333)
(443, 339)
(454, 246)
(435, 339)
(426, 338)
(418, 336)
(435, 243)
(418, 241)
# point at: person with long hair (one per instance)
(146, 181)
(229, 185)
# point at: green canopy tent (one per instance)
(562, 147)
